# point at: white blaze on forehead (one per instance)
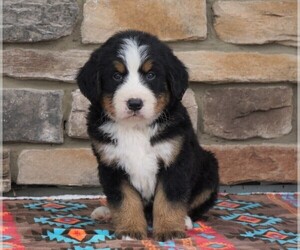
(133, 54)
(133, 86)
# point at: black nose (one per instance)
(134, 104)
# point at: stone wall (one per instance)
(241, 57)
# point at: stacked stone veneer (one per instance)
(241, 57)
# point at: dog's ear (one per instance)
(89, 79)
(177, 76)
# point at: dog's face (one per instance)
(134, 77)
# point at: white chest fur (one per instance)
(136, 155)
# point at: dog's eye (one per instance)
(117, 77)
(150, 76)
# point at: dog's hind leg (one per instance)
(205, 192)
(201, 204)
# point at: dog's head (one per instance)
(134, 77)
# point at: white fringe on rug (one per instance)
(58, 197)
(90, 197)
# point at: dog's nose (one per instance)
(134, 104)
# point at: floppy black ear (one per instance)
(88, 79)
(177, 76)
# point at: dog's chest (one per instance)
(134, 153)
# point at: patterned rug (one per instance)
(256, 221)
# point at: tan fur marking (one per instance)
(200, 199)
(147, 66)
(129, 217)
(120, 67)
(167, 216)
(107, 103)
(162, 101)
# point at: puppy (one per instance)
(151, 166)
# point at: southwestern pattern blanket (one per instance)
(244, 221)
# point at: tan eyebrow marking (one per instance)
(147, 66)
(120, 67)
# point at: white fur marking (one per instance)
(133, 87)
(136, 155)
(133, 54)
(165, 150)
(188, 223)
(127, 238)
(101, 213)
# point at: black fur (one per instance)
(194, 169)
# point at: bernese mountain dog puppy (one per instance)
(151, 166)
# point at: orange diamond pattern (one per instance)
(64, 220)
(248, 219)
(275, 235)
(77, 234)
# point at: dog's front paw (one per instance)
(169, 235)
(131, 235)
